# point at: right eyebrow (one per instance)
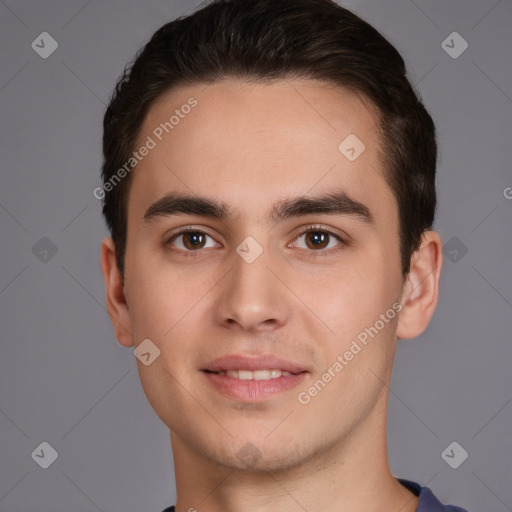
(174, 204)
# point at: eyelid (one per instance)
(186, 229)
(342, 236)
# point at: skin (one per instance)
(250, 145)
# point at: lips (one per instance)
(253, 379)
(253, 364)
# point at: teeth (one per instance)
(256, 375)
(264, 374)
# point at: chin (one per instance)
(262, 457)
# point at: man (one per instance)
(269, 184)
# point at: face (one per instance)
(274, 307)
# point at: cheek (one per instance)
(161, 296)
(171, 309)
(356, 303)
(346, 298)
(154, 309)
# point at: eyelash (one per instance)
(311, 253)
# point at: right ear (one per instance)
(117, 306)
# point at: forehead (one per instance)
(250, 144)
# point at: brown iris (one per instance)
(319, 239)
(194, 240)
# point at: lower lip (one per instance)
(253, 390)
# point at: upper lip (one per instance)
(254, 363)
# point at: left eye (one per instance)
(318, 239)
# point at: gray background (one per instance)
(63, 377)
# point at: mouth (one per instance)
(253, 375)
(253, 379)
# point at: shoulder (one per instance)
(427, 500)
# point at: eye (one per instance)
(318, 239)
(189, 241)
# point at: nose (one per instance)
(251, 297)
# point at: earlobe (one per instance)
(117, 306)
(421, 288)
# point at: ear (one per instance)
(421, 287)
(117, 306)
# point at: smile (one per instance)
(254, 375)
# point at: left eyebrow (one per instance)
(334, 203)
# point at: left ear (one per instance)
(421, 288)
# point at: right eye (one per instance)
(189, 241)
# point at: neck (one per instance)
(351, 475)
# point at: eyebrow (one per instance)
(334, 203)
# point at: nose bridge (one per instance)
(251, 296)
